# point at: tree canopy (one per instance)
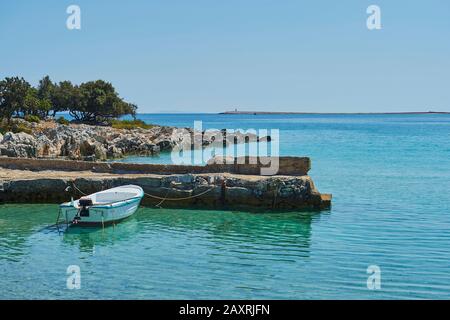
(98, 101)
(13, 93)
(90, 102)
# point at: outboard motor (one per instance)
(85, 203)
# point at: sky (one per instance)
(211, 56)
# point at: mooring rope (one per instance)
(158, 205)
(179, 199)
(84, 194)
(165, 198)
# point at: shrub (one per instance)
(62, 120)
(14, 126)
(130, 124)
(21, 127)
(32, 118)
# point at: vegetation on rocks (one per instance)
(15, 126)
(32, 118)
(62, 120)
(130, 124)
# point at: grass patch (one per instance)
(130, 124)
(14, 127)
(32, 118)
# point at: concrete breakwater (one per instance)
(33, 182)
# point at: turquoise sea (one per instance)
(390, 180)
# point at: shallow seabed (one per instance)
(389, 176)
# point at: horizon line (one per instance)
(301, 113)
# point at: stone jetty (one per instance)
(234, 185)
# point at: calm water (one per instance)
(390, 178)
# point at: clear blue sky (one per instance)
(209, 56)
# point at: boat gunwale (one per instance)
(117, 204)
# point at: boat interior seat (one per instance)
(107, 197)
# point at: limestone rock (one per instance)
(82, 142)
(45, 147)
(21, 145)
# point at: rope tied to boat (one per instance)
(179, 199)
(165, 198)
(162, 199)
(76, 188)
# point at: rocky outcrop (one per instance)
(85, 142)
(18, 145)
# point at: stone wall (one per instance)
(217, 191)
(289, 166)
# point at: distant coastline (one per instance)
(332, 113)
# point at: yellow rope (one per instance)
(84, 194)
(179, 199)
(160, 198)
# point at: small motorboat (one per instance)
(104, 207)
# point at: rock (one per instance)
(19, 138)
(221, 160)
(114, 152)
(201, 181)
(45, 147)
(80, 141)
(21, 145)
(92, 148)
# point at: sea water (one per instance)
(390, 180)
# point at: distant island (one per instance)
(331, 113)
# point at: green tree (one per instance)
(12, 96)
(91, 102)
(65, 97)
(32, 105)
(46, 91)
(99, 103)
(31, 102)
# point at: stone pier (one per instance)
(231, 186)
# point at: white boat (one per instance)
(104, 207)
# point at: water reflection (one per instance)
(87, 238)
(256, 230)
(19, 223)
(220, 227)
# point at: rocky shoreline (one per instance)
(93, 143)
(39, 166)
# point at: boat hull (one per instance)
(99, 215)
